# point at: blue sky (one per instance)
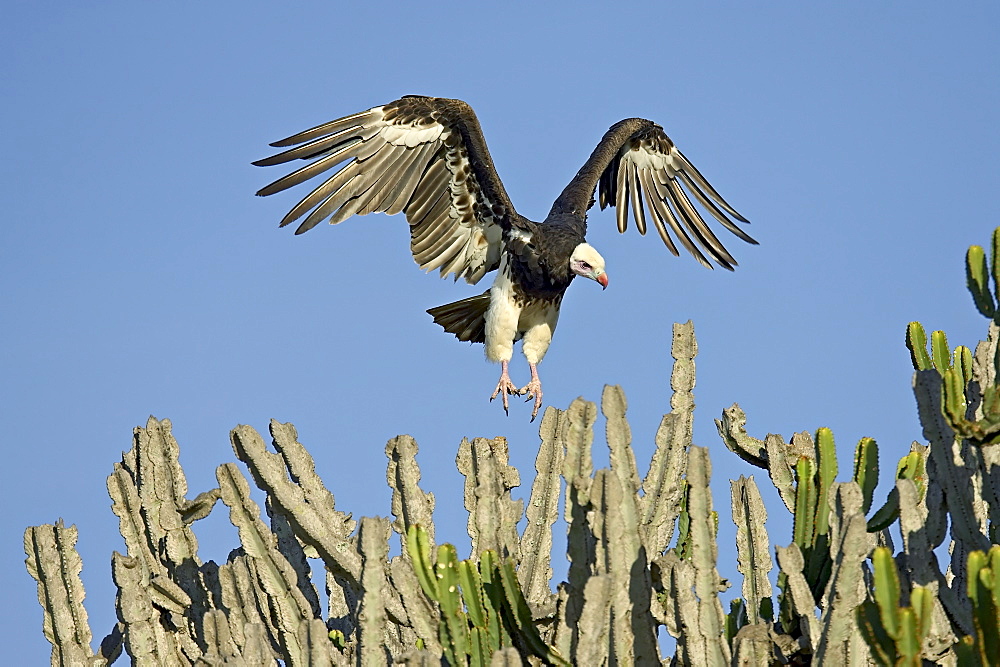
(141, 276)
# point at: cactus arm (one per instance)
(866, 470)
(593, 626)
(911, 467)
(818, 566)
(535, 547)
(220, 648)
(618, 553)
(781, 469)
(940, 352)
(977, 280)
(454, 631)
(887, 591)
(732, 430)
(803, 528)
(880, 644)
(410, 505)
(799, 600)
(472, 593)
(704, 554)
(619, 439)
(493, 514)
(956, 479)
(520, 616)
(752, 547)
(916, 343)
(275, 574)
(850, 544)
(424, 618)
(663, 485)
(310, 511)
(373, 544)
(55, 564)
(923, 567)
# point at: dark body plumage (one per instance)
(426, 157)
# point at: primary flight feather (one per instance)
(426, 157)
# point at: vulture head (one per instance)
(588, 263)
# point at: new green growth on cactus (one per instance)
(482, 608)
(895, 633)
(983, 647)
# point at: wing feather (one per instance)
(305, 173)
(714, 210)
(701, 230)
(332, 127)
(695, 227)
(704, 185)
(421, 156)
(667, 208)
(637, 165)
(433, 229)
(634, 191)
(407, 181)
(621, 203)
(655, 206)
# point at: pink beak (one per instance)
(603, 279)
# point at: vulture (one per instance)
(426, 157)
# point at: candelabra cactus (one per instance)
(642, 549)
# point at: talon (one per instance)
(504, 388)
(533, 390)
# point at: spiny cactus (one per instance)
(642, 549)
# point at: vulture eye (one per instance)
(586, 266)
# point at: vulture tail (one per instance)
(466, 318)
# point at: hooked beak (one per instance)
(603, 279)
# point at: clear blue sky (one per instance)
(141, 276)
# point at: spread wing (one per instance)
(637, 165)
(423, 156)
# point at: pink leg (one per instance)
(533, 390)
(504, 387)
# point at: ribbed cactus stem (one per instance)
(410, 505)
(493, 513)
(55, 564)
(535, 548)
(752, 548)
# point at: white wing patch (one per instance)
(411, 135)
(418, 167)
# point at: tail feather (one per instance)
(466, 318)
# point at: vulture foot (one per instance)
(533, 390)
(504, 387)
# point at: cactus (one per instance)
(482, 608)
(894, 633)
(642, 548)
(912, 467)
(983, 646)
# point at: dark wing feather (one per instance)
(637, 163)
(423, 156)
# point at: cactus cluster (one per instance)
(642, 549)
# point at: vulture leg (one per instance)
(505, 387)
(533, 390)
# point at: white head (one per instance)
(588, 263)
